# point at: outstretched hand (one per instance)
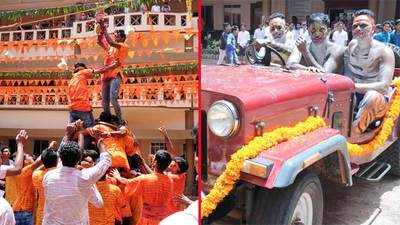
(162, 130)
(115, 173)
(53, 145)
(22, 137)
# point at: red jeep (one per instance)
(282, 185)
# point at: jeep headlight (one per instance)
(222, 118)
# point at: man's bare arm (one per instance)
(334, 61)
(100, 42)
(293, 62)
(110, 41)
(386, 70)
(21, 139)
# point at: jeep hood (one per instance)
(257, 86)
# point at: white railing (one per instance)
(128, 22)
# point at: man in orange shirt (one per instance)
(78, 95)
(25, 201)
(176, 171)
(116, 51)
(49, 159)
(113, 202)
(118, 145)
(155, 190)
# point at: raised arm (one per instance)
(109, 40)
(15, 169)
(170, 145)
(386, 70)
(93, 174)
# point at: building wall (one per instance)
(218, 10)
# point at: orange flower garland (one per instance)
(225, 182)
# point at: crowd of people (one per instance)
(235, 39)
(97, 174)
(368, 58)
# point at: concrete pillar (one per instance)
(387, 10)
(373, 5)
(218, 11)
(266, 8)
(189, 152)
(279, 6)
(317, 6)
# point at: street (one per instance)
(357, 205)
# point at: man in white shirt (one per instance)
(243, 39)
(340, 35)
(189, 216)
(259, 33)
(156, 8)
(68, 189)
(6, 212)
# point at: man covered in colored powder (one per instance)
(370, 64)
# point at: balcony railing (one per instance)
(166, 91)
(130, 21)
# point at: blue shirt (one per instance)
(383, 37)
(395, 38)
(231, 40)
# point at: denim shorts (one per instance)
(23, 218)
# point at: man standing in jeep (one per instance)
(370, 64)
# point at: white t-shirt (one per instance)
(340, 38)
(189, 216)
(259, 34)
(243, 38)
(155, 8)
(6, 212)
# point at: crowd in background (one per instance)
(235, 39)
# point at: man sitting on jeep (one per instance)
(370, 64)
(320, 54)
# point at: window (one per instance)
(39, 146)
(12, 145)
(337, 118)
(232, 14)
(155, 146)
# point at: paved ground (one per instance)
(356, 205)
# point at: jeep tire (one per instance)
(277, 206)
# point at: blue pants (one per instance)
(88, 121)
(110, 91)
(23, 218)
(231, 54)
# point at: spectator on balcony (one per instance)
(156, 8)
(165, 7)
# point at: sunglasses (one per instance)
(361, 25)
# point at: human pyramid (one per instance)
(96, 175)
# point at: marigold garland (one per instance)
(356, 150)
(225, 182)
